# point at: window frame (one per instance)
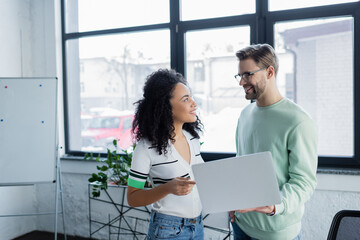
(261, 24)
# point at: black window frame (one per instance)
(261, 31)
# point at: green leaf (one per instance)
(104, 168)
(96, 193)
(114, 167)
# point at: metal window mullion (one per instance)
(357, 85)
(77, 35)
(64, 77)
(313, 12)
(176, 38)
(200, 24)
(260, 25)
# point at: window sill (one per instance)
(77, 165)
(339, 171)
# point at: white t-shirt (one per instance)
(147, 162)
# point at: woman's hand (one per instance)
(180, 186)
(232, 216)
(141, 197)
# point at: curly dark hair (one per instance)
(153, 115)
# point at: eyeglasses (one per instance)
(247, 75)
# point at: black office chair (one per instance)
(345, 226)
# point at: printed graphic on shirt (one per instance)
(157, 180)
(157, 164)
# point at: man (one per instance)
(276, 124)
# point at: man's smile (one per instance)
(248, 89)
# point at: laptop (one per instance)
(237, 183)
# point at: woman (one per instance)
(166, 129)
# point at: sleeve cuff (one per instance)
(136, 184)
(279, 208)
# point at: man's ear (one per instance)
(270, 71)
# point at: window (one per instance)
(105, 73)
(115, 67)
(217, 94)
(314, 54)
(105, 122)
(127, 123)
(201, 9)
(111, 46)
(90, 15)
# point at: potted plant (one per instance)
(114, 169)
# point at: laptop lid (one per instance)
(237, 183)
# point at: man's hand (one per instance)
(266, 209)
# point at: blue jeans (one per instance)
(163, 226)
(241, 235)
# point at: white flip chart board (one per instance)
(28, 135)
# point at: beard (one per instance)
(254, 94)
(251, 96)
(256, 91)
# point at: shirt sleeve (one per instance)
(303, 159)
(237, 140)
(140, 166)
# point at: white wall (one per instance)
(27, 49)
(16, 200)
(27, 38)
(334, 193)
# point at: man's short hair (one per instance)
(263, 54)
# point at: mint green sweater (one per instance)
(289, 133)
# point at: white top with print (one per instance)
(160, 169)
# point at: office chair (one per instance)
(345, 226)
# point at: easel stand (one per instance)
(58, 191)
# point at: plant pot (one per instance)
(110, 215)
